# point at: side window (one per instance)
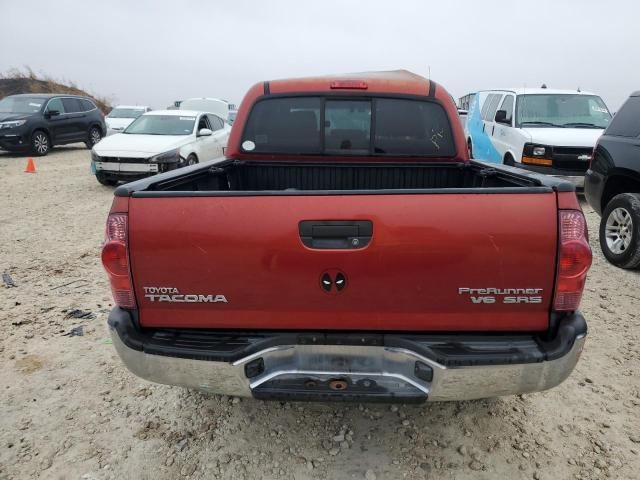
(485, 105)
(507, 106)
(493, 107)
(203, 123)
(87, 105)
(626, 123)
(72, 105)
(55, 104)
(216, 123)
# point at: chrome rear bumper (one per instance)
(348, 372)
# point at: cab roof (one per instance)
(393, 81)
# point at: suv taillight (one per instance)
(574, 260)
(115, 258)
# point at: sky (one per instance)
(154, 52)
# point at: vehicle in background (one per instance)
(541, 130)
(347, 249)
(465, 102)
(462, 114)
(38, 122)
(121, 117)
(612, 186)
(159, 141)
(232, 116)
(210, 105)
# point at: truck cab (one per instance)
(547, 131)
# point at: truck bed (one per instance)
(294, 177)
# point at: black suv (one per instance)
(612, 186)
(37, 122)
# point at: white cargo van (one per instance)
(208, 105)
(542, 130)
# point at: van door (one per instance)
(503, 131)
(488, 151)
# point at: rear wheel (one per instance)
(95, 135)
(40, 143)
(620, 230)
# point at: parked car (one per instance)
(159, 141)
(347, 248)
(541, 130)
(612, 186)
(36, 123)
(121, 117)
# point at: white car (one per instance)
(159, 141)
(121, 117)
(542, 130)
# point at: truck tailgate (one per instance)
(471, 262)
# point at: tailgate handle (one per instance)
(336, 234)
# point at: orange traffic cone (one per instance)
(31, 166)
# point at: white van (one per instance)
(208, 105)
(542, 130)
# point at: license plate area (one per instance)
(338, 372)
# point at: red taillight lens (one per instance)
(115, 259)
(574, 260)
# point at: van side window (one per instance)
(485, 106)
(55, 104)
(507, 106)
(493, 107)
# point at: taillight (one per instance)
(115, 259)
(574, 260)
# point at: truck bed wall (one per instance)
(263, 176)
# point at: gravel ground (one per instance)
(71, 410)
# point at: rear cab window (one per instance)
(367, 126)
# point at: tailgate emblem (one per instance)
(333, 280)
(173, 295)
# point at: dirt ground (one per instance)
(69, 409)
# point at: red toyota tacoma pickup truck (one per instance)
(347, 248)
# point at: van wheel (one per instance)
(40, 143)
(508, 160)
(470, 148)
(95, 135)
(191, 160)
(620, 230)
